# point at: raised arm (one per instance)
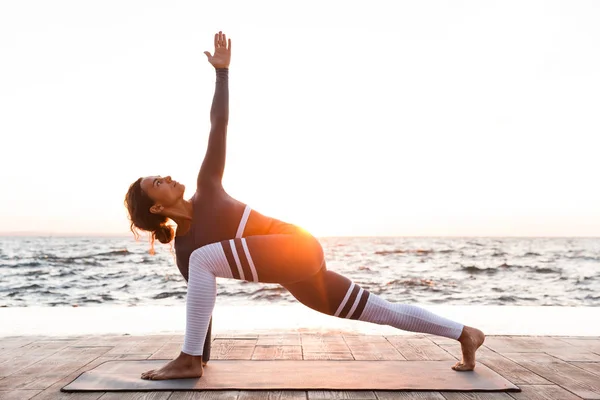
(213, 165)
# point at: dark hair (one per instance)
(138, 205)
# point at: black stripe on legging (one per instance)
(350, 302)
(230, 259)
(361, 305)
(243, 259)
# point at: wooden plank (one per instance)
(377, 354)
(122, 357)
(476, 396)
(208, 395)
(106, 340)
(272, 395)
(279, 340)
(125, 348)
(138, 345)
(340, 394)
(586, 344)
(505, 366)
(311, 338)
(394, 395)
(524, 344)
(136, 396)
(576, 380)
(45, 373)
(543, 392)
(8, 343)
(167, 352)
(419, 349)
(236, 335)
(226, 349)
(153, 343)
(235, 342)
(48, 346)
(346, 355)
(15, 382)
(574, 354)
(48, 378)
(52, 366)
(442, 339)
(53, 392)
(277, 353)
(64, 361)
(80, 352)
(326, 347)
(18, 394)
(372, 348)
(18, 358)
(15, 365)
(358, 339)
(324, 344)
(594, 368)
(589, 347)
(531, 357)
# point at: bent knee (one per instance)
(211, 258)
(313, 248)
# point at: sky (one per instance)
(370, 118)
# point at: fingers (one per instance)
(221, 41)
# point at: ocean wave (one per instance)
(27, 287)
(412, 282)
(166, 295)
(471, 269)
(417, 251)
(28, 264)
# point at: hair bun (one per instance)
(164, 233)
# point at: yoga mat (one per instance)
(124, 375)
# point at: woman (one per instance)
(219, 236)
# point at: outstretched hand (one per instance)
(222, 54)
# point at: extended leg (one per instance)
(333, 294)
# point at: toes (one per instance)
(145, 374)
(462, 367)
(149, 372)
(157, 375)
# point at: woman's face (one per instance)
(163, 190)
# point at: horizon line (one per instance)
(124, 235)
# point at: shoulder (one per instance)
(205, 192)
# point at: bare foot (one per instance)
(470, 340)
(184, 366)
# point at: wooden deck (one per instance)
(556, 368)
